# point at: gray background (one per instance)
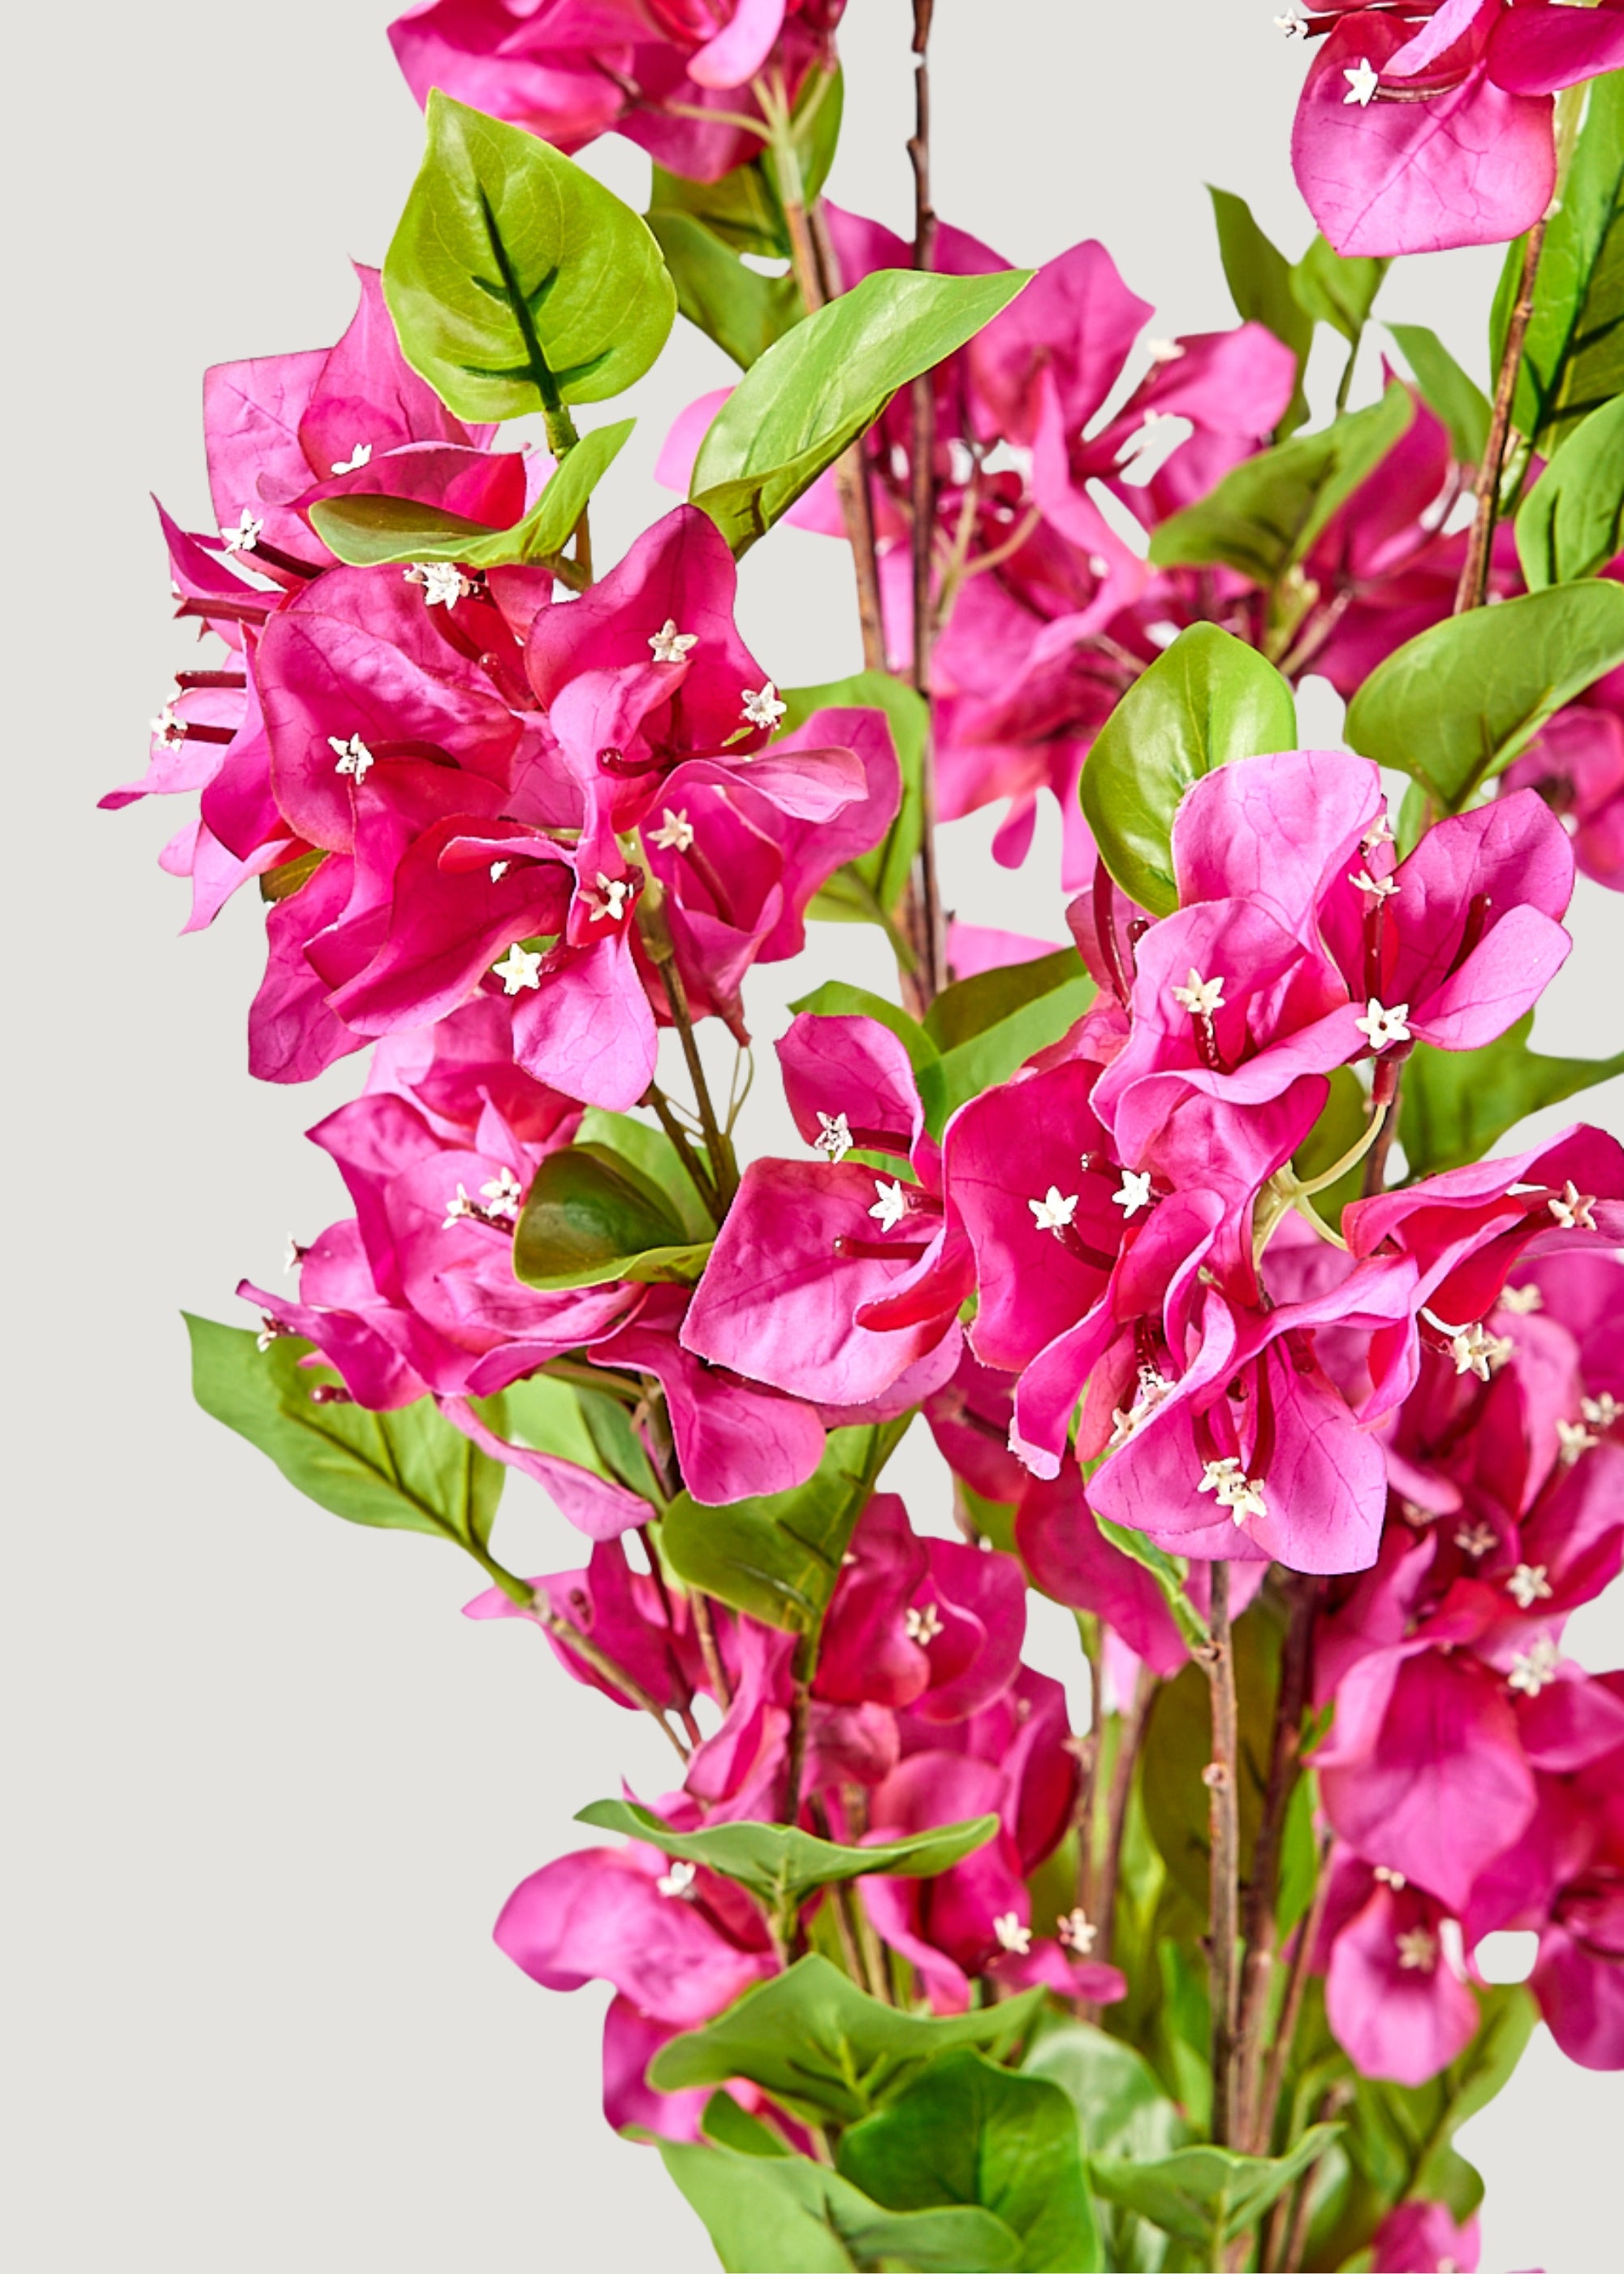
(267, 1789)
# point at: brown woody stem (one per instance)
(1256, 1976)
(1473, 585)
(1220, 1777)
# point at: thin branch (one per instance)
(1261, 1889)
(1117, 1809)
(699, 1605)
(1220, 1777)
(600, 1661)
(698, 1176)
(1297, 1983)
(1475, 571)
(718, 1146)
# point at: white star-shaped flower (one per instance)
(245, 536)
(610, 898)
(675, 832)
(1199, 997)
(1294, 26)
(1133, 1193)
(1389, 1877)
(669, 645)
(1528, 1584)
(167, 729)
(1601, 1413)
(521, 967)
(922, 1627)
(1571, 1208)
(1077, 1932)
(1379, 832)
(1417, 1950)
(1378, 888)
(502, 1194)
(1475, 1351)
(1476, 1540)
(457, 1208)
(1383, 1025)
(361, 455)
(1164, 350)
(1012, 1935)
(499, 869)
(1521, 1301)
(1217, 1476)
(1534, 1670)
(443, 583)
(1055, 1210)
(1363, 80)
(890, 1205)
(763, 709)
(352, 755)
(271, 1330)
(677, 1879)
(834, 1138)
(1572, 1438)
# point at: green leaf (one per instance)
(779, 1557)
(1063, 992)
(1169, 1572)
(970, 1007)
(588, 1427)
(968, 2132)
(1451, 394)
(1119, 2105)
(1573, 356)
(365, 531)
(1510, 2017)
(1260, 278)
(787, 2215)
(836, 999)
(1345, 1118)
(743, 208)
(824, 2050)
(649, 1150)
(814, 391)
(1207, 699)
(1572, 522)
(1457, 1103)
(779, 1863)
(1299, 1857)
(407, 1470)
(870, 887)
(1208, 2196)
(1178, 1745)
(516, 282)
(1458, 702)
(591, 1217)
(1338, 290)
(726, 2125)
(742, 311)
(1266, 513)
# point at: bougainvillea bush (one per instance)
(1188, 1242)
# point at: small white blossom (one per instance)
(1133, 1193)
(1294, 26)
(764, 708)
(1054, 1212)
(502, 1194)
(891, 1204)
(669, 645)
(1475, 1351)
(1476, 1540)
(677, 1879)
(1379, 832)
(1152, 1388)
(352, 755)
(1379, 888)
(443, 583)
(1077, 1932)
(1098, 565)
(1012, 1935)
(924, 1626)
(521, 967)
(1363, 81)
(499, 869)
(1571, 1208)
(1164, 350)
(1528, 1586)
(245, 536)
(167, 729)
(1572, 1438)
(1241, 1495)
(1383, 1025)
(1389, 1877)
(834, 1139)
(1601, 1413)
(271, 1330)
(1199, 997)
(1534, 1670)
(361, 455)
(610, 898)
(1417, 1950)
(1520, 1302)
(457, 1208)
(675, 832)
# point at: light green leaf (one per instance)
(742, 311)
(591, 1217)
(1345, 1118)
(1458, 702)
(1266, 513)
(1338, 290)
(516, 282)
(970, 1007)
(1451, 394)
(365, 531)
(407, 1470)
(743, 208)
(651, 1154)
(986, 1058)
(1572, 521)
(871, 886)
(824, 2050)
(777, 1557)
(968, 2132)
(1260, 278)
(815, 390)
(836, 999)
(1457, 1103)
(1207, 699)
(1120, 2107)
(1208, 2196)
(779, 1863)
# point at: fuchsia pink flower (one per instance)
(1423, 2238)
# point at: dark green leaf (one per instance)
(778, 1863)
(1265, 513)
(1572, 521)
(1458, 702)
(968, 2132)
(1178, 1745)
(1260, 278)
(281, 882)
(367, 531)
(1451, 394)
(1341, 1126)
(591, 1217)
(836, 999)
(516, 282)
(1209, 698)
(874, 884)
(408, 1471)
(787, 2215)
(1573, 356)
(1207, 2196)
(825, 2050)
(1337, 289)
(742, 311)
(779, 1557)
(651, 1153)
(1456, 1103)
(984, 1059)
(820, 386)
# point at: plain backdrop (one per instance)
(267, 1788)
